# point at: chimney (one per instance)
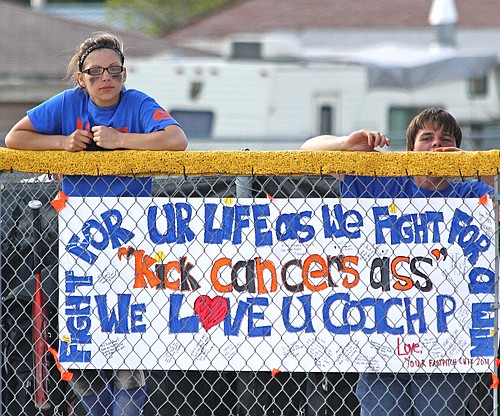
(37, 4)
(443, 16)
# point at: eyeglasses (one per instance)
(98, 70)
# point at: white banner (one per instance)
(286, 284)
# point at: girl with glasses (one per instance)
(99, 113)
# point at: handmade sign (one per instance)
(289, 284)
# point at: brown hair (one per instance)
(98, 41)
(435, 117)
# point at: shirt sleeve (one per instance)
(481, 188)
(46, 117)
(154, 117)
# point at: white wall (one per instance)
(266, 105)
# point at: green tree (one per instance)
(157, 17)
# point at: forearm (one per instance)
(361, 141)
(326, 142)
(30, 140)
(172, 138)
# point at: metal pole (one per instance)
(244, 185)
(246, 380)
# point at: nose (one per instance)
(437, 142)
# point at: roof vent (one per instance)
(270, 46)
(443, 16)
(246, 50)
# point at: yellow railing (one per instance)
(126, 162)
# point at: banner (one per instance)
(277, 284)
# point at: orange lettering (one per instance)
(323, 272)
(260, 266)
(214, 275)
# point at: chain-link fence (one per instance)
(231, 294)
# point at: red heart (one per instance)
(211, 311)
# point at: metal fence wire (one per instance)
(254, 295)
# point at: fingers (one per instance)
(447, 149)
(376, 139)
(367, 140)
(78, 140)
(106, 137)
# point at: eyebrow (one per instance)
(111, 64)
(444, 133)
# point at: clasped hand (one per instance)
(105, 137)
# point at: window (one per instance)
(326, 119)
(196, 124)
(478, 87)
(246, 50)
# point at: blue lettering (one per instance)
(262, 238)
(482, 343)
(467, 236)
(156, 237)
(234, 328)
(218, 235)
(346, 313)
(80, 251)
(478, 284)
(344, 228)
(110, 323)
(407, 228)
(68, 353)
(289, 226)
(382, 315)
(72, 281)
(75, 305)
(253, 330)
(240, 222)
(306, 307)
(380, 224)
(79, 329)
(178, 218)
(340, 330)
(117, 234)
(418, 315)
(136, 314)
(482, 316)
(442, 314)
(184, 233)
(369, 303)
(179, 325)
(91, 228)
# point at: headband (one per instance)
(99, 46)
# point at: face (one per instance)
(104, 89)
(431, 138)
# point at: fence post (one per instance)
(247, 396)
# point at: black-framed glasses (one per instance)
(99, 70)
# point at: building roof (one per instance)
(34, 44)
(261, 16)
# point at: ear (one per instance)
(124, 77)
(81, 79)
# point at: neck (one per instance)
(432, 183)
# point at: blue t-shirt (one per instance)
(73, 109)
(405, 187)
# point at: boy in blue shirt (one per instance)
(433, 130)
